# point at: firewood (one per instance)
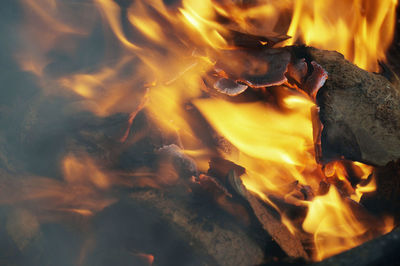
(174, 156)
(271, 221)
(218, 242)
(256, 68)
(386, 199)
(359, 111)
(383, 250)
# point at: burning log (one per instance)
(295, 246)
(255, 68)
(386, 199)
(271, 221)
(216, 240)
(380, 251)
(359, 112)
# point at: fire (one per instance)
(335, 226)
(361, 30)
(167, 56)
(148, 258)
(275, 148)
(78, 170)
(80, 193)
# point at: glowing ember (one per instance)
(173, 52)
(148, 258)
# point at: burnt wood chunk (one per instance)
(297, 70)
(386, 199)
(271, 221)
(256, 68)
(316, 80)
(359, 110)
(229, 87)
(383, 250)
(218, 243)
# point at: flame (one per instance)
(104, 92)
(166, 53)
(80, 192)
(361, 30)
(275, 148)
(333, 224)
(148, 258)
(111, 12)
(84, 170)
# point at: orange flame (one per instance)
(148, 258)
(78, 170)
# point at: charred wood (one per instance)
(359, 111)
(218, 243)
(386, 199)
(271, 221)
(380, 251)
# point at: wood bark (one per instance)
(385, 201)
(218, 243)
(359, 111)
(271, 222)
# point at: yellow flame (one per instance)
(365, 187)
(275, 148)
(335, 226)
(361, 30)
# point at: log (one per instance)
(383, 250)
(271, 221)
(178, 225)
(385, 201)
(359, 111)
(217, 241)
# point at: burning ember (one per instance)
(233, 103)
